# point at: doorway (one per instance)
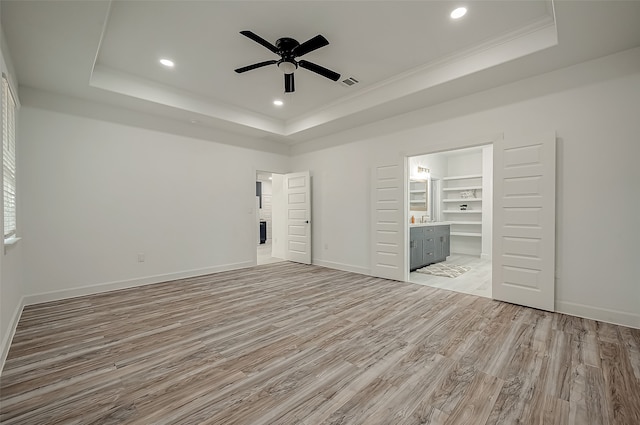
(450, 214)
(270, 217)
(522, 223)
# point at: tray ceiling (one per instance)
(399, 51)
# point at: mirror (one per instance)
(419, 199)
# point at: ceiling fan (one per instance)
(289, 49)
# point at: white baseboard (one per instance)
(597, 313)
(6, 341)
(130, 283)
(343, 267)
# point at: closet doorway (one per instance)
(450, 215)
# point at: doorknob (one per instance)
(307, 221)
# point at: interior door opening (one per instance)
(270, 217)
(283, 217)
(450, 213)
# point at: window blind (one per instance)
(9, 158)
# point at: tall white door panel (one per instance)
(298, 210)
(524, 221)
(387, 221)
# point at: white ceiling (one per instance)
(404, 53)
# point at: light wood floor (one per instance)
(293, 344)
(477, 281)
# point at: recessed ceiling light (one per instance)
(278, 102)
(167, 62)
(458, 13)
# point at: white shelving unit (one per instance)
(462, 212)
(467, 222)
(467, 177)
(457, 189)
(463, 200)
(472, 234)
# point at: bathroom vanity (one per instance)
(428, 243)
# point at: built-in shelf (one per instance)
(451, 189)
(418, 201)
(472, 234)
(463, 211)
(465, 229)
(471, 176)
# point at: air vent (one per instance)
(350, 82)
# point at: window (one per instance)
(9, 158)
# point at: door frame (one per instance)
(254, 212)
(498, 142)
(438, 148)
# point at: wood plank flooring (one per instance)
(293, 344)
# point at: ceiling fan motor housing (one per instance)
(285, 46)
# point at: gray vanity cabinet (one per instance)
(428, 244)
(415, 247)
(442, 245)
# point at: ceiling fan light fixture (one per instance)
(287, 67)
(458, 12)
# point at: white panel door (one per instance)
(298, 210)
(387, 222)
(524, 221)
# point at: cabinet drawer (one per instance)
(428, 256)
(428, 243)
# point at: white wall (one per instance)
(594, 109)
(464, 163)
(340, 206)
(12, 290)
(436, 163)
(96, 194)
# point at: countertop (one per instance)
(432, 223)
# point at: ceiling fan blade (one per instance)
(288, 83)
(254, 66)
(319, 70)
(310, 45)
(260, 40)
